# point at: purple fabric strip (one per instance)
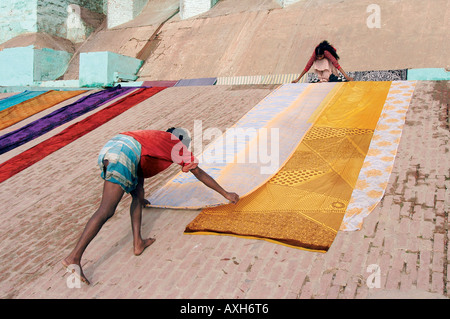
(63, 115)
(196, 82)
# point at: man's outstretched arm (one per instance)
(204, 177)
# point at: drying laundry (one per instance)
(58, 117)
(21, 111)
(73, 132)
(196, 82)
(304, 203)
(251, 151)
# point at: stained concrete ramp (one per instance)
(128, 38)
(47, 206)
(227, 7)
(155, 12)
(39, 41)
(281, 40)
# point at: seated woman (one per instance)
(324, 62)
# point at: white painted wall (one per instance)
(49, 16)
(122, 11)
(191, 8)
(285, 3)
(17, 17)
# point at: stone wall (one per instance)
(122, 11)
(191, 8)
(17, 17)
(49, 16)
(104, 68)
(63, 17)
(285, 3)
(26, 65)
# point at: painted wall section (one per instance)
(50, 64)
(17, 17)
(99, 69)
(17, 66)
(63, 17)
(431, 74)
(285, 3)
(191, 8)
(49, 16)
(122, 11)
(26, 65)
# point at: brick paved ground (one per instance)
(47, 206)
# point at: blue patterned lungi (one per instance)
(123, 154)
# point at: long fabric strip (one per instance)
(73, 132)
(261, 79)
(159, 83)
(6, 95)
(280, 78)
(18, 98)
(21, 111)
(63, 115)
(378, 75)
(196, 82)
(379, 162)
(240, 80)
(250, 152)
(303, 204)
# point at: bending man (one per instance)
(125, 161)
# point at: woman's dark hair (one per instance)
(325, 46)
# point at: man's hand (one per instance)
(232, 197)
(203, 177)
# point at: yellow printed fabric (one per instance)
(239, 160)
(21, 111)
(304, 203)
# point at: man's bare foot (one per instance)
(75, 270)
(140, 247)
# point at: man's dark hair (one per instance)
(181, 133)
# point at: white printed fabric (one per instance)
(378, 164)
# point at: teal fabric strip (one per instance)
(18, 98)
